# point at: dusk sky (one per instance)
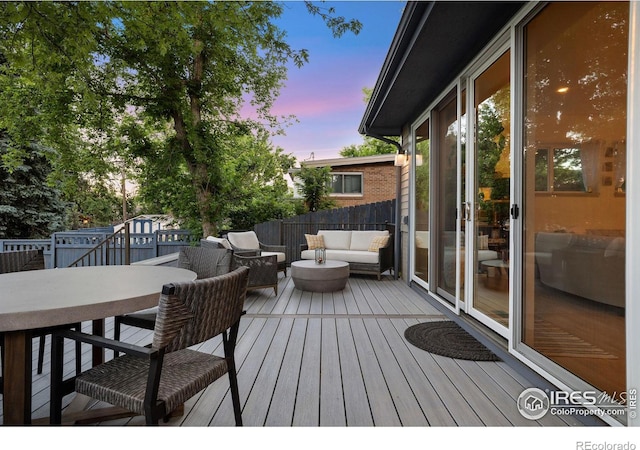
(326, 93)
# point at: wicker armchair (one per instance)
(154, 381)
(205, 262)
(264, 269)
(247, 241)
(20, 261)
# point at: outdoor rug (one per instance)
(446, 338)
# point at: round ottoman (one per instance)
(328, 277)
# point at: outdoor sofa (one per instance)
(368, 252)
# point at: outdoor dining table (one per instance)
(44, 298)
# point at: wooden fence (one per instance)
(290, 232)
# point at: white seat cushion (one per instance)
(281, 256)
(352, 256)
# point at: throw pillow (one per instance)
(314, 241)
(378, 242)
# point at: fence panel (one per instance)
(16, 245)
(171, 241)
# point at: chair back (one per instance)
(206, 262)
(21, 261)
(193, 312)
(244, 239)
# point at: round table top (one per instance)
(44, 298)
(328, 264)
(495, 263)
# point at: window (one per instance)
(346, 183)
(562, 169)
(559, 169)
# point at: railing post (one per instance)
(127, 244)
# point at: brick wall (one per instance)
(379, 183)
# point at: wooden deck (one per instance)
(340, 359)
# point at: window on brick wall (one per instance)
(347, 183)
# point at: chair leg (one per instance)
(235, 395)
(116, 333)
(78, 351)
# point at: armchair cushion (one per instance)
(244, 239)
(221, 241)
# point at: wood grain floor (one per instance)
(340, 359)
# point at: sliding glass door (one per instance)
(489, 256)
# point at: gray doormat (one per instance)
(446, 338)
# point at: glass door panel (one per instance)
(490, 263)
(574, 209)
(446, 158)
(422, 239)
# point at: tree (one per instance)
(314, 184)
(184, 69)
(29, 208)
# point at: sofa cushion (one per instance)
(351, 256)
(360, 240)
(615, 248)
(336, 239)
(314, 241)
(378, 242)
(244, 239)
(422, 239)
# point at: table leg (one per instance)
(97, 353)
(17, 378)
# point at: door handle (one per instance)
(466, 211)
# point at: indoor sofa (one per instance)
(587, 265)
(368, 252)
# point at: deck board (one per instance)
(337, 359)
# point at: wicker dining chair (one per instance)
(20, 261)
(205, 262)
(154, 381)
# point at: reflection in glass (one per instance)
(422, 239)
(446, 157)
(574, 240)
(492, 90)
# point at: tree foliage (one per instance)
(177, 89)
(314, 184)
(29, 207)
